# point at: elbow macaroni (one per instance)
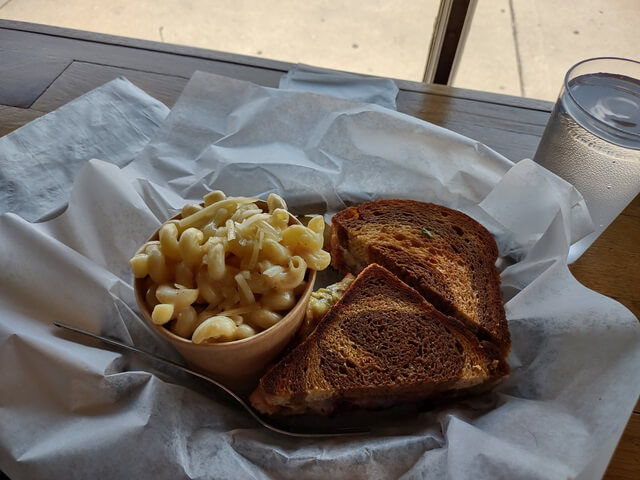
(281, 278)
(226, 270)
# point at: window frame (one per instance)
(450, 31)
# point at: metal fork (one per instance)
(337, 432)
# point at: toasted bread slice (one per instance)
(381, 344)
(443, 253)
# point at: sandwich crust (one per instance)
(443, 253)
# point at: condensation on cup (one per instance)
(592, 139)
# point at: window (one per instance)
(525, 47)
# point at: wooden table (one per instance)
(42, 68)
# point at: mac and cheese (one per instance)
(228, 270)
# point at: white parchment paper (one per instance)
(73, 410)
(350, 86)
(38, 161)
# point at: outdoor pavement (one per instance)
(525, 47)
(517, 47)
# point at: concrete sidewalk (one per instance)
(518, 47)
(525, 47)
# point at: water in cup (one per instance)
(592, 140)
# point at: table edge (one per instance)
(269, 64)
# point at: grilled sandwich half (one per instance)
(444, 254)
(381, 344)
